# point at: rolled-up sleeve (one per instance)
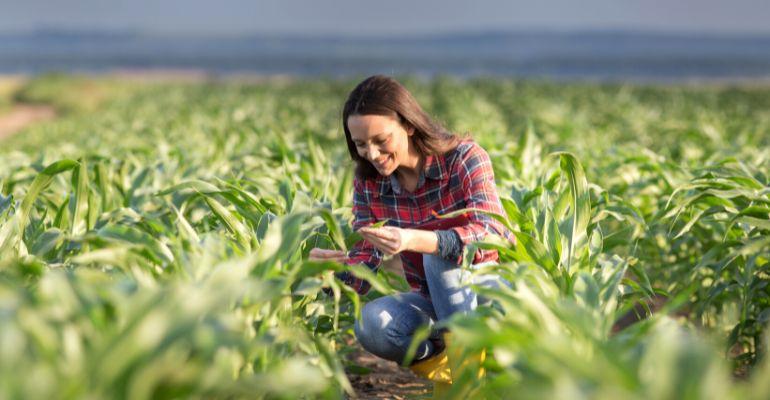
(479, 191)
(362, 252)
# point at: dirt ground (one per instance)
(386, 380)
(19, 116)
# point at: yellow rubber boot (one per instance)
(462, 363)
(448, 366)
(435, 369)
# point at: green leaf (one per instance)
(79, 223)
(580, 205)
(47, 241)
(334, 230)
(194, 185)
(231, 222)
(132, 236)
(42, 180)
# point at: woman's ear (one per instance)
(409, 130)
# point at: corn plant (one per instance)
(153, 243)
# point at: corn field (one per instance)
(153, 243)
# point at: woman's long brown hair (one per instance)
(383, 95)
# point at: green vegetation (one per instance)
(73, 94)
(8, 86)
(156, 247)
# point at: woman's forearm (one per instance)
(421, 241)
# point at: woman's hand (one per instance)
(327, 255)
(388, 239)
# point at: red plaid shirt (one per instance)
(462, 178)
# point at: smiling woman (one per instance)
(384, 142)
(409, 169)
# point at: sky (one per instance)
(392, 17)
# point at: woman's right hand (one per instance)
(327, 255)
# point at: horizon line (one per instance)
(641, 31)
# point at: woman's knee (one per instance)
(387, 325)
(450, 285)
(375, 315)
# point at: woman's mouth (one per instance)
(381, 164)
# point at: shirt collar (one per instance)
(432, 169)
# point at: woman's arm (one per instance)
(477, 180)
(392, 240)
(421, 241)
(478, 185)
(317, 254)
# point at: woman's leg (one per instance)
(449, 286)
(388, 323)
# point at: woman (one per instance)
(408, 169)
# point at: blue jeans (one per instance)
(388, 323)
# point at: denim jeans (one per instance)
(388, 323)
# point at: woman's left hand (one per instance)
(388, 239)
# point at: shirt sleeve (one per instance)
(449, 245)
(477, 181)
(362, 252)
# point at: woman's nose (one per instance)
(372, 152)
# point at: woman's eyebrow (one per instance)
(378, 136)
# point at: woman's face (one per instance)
(381, 140)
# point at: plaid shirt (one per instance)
(462, 178)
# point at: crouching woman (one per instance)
(408, 169)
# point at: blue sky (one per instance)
(392, 17)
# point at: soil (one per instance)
(387, 380)
(21, 116)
